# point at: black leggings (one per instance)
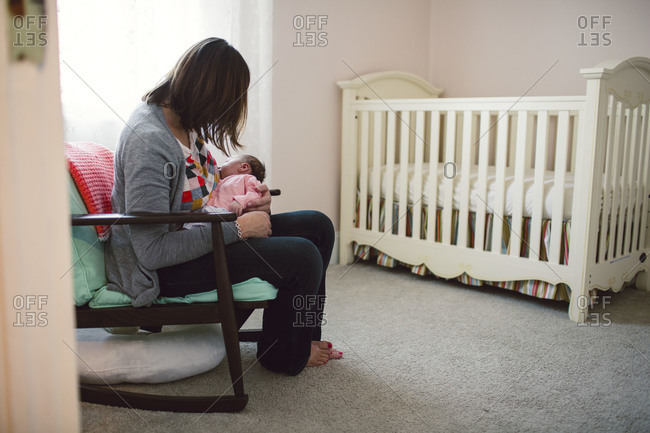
(294, 259)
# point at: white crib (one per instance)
(496, 189)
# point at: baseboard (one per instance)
(334, 260)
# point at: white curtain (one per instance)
(112, 52)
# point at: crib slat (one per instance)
(607, 185)
(646, 173)
(481, 202)
(404, 172)
(638, 183)
(616, 185)
(418, 178)
(376, 169)
(529, 142)
(465, 177)
(391, 120)
(363, 172)
(476, 118)
(513, 144)
(561, 152)
(632, 180)
(448, 180)
(621, 232)
(434, 147)
(503, 131)
(538, 186)
(518, 184)
(574, 142)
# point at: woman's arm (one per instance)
(149, 171)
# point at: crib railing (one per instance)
(460, 136)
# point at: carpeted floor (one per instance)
(425, 355)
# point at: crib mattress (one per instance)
(475, 199)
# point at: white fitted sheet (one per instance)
(529, 196)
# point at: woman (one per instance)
(162, 165)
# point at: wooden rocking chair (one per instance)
(227, 311)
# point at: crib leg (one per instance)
(578, 307)
(641, 281)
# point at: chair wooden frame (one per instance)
(229, 313)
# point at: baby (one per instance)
(239, 180)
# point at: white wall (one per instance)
(467, 47)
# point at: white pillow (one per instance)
(175, 353)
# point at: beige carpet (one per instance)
(425, 355)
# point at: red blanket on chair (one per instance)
(91, 168)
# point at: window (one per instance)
(112, 52)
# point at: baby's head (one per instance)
(243, 164)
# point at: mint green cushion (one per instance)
(249, 290)
(87, 253)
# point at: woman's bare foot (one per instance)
(334, 354)
(321, 352)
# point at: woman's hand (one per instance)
(262, 204)
(255, 225)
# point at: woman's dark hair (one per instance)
(208, 90)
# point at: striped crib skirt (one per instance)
(538, 289)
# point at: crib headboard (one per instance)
(617, 150)
(388, 85)
(628, 80)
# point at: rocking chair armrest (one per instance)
(224, 289)
(155, 218)
(150, 218)
(226, 303)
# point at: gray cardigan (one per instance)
(149, 177)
